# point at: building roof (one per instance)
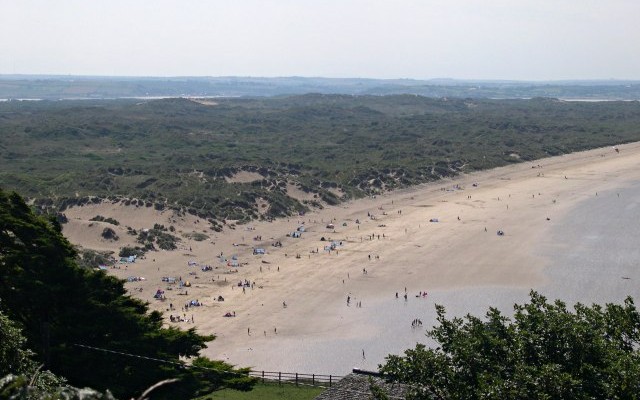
(356, 386)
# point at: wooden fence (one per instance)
(297, 378)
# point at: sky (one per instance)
(419, 39)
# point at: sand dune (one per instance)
(392, 248)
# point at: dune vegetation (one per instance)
(190, 155)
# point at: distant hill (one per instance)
(54, 87)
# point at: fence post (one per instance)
(263, 377)
(313, 379)
(279, 377)
(296, 379)
(329, 380)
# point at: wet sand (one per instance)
(459, 264)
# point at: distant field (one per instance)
(241, 159)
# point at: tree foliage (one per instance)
(16, 358)
(61, 305)
(545, 352)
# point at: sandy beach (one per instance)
(342, 310)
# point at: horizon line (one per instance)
(503, 80)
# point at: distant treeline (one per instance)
(183, 154)
(74, 87)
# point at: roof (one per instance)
(355, 386)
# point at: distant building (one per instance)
(356, 386)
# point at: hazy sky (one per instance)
(470, 39)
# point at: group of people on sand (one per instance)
(416, 323)
(182, 318)
(193, 303)
(358, 303)
(245, 283)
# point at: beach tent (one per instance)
(301, 228)
(187, 284)
(296, 234)
(330, 226)
(259, 251)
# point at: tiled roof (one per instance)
(356, 386)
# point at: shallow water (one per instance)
(590, 253)
(597, 249)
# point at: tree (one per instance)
(61, 305)
(209, 375)
(546, 352)
(15, 358)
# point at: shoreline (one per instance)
(454, 260)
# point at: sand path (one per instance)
(394, 243)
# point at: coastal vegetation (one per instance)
(88, 258)
(159, 236)
(108, 220)
(299, 152)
